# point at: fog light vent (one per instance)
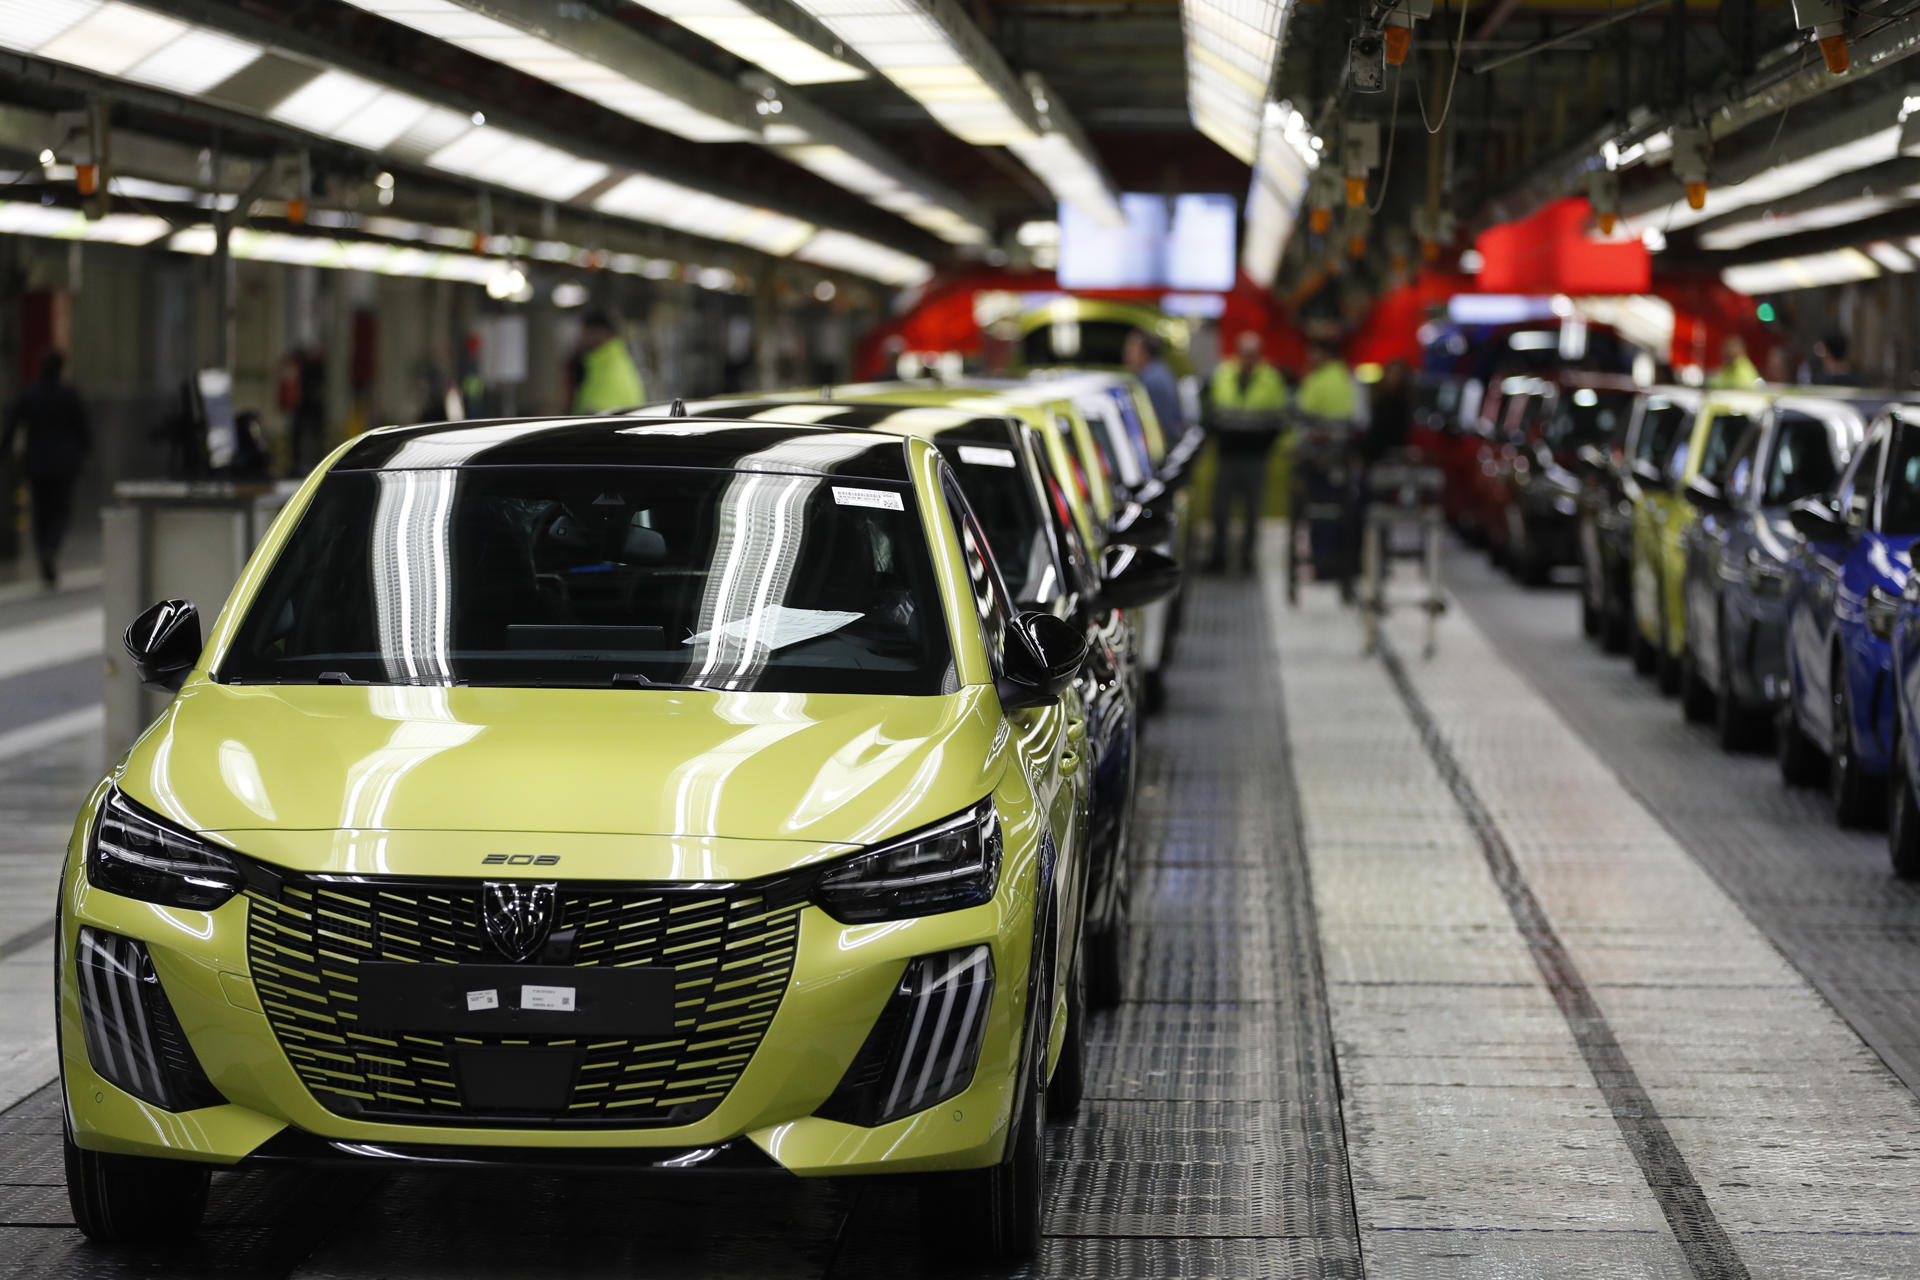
(925, 1044)
(133, 1038)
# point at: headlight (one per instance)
(946, 867)
(140, 855)
(1882, 609)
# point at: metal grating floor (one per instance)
(1482, 966)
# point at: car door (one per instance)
(1708, 546)
(1049, 741)
(1818, 570)
(1871, 585)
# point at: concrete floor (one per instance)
(1483, 965)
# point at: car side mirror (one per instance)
(1591, 459)
(1817, 521)
(1039, 660)
(1706, 497)
(1647, 473)
(1140, 522)
(1176, 464)
(164, 643)
(1134, 576)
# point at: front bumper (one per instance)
(842, 978)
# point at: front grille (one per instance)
(731, 951)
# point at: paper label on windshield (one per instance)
(880, 499)
(986, 456)
(478, 1000)
(546, 999)
(778, 626)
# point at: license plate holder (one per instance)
(487, 999)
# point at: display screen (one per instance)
(1185, 243)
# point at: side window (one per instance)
(1083, 577)
(1856, 486)
(991, 600)
(1740, 465)
(1724, 434)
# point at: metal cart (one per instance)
(1404, 520)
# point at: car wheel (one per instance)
(996, 1213)
(1155, 697)
(120, 1199)
(1847, 783)
(1592, 623)
(1105, 952)
(1697, 700)
(1903, 816)
(1639, 648)
(1800, 761)
(1616, 626)
(1069, 1083)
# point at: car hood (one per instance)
(812, 769)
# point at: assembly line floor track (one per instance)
(1209, 1145)
(1480, 964)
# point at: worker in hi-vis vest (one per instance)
(1244, 407)
(607, 378)
(1327, 392)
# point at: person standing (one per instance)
(58, 438)
(1146, 356)
(608, 379)
(1244, 404)
(1735, 370)
(1391, 421)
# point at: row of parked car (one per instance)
(742, 786)
(1749, 548)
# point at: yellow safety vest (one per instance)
(1327, 392)
(608, 380)
(1739, 373)
(1265, 390)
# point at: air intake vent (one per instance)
(133, 1038)
(925, 1044)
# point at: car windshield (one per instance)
(1723, 433)
(1008, 509)
(1093, 343)
(1803, 462)
(1586, 417)
(1660, 431)
(1900, 509)
(601, 577)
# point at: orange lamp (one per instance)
(1320, 219)
(87, 178)
(1357, 246)
(1430, 250)
(1606, 223)
(1834, 50)
(1399, 41)
(1696, 195)
(297, 210)
(1356, 192)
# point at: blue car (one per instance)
(1844, 590)
(1738, 559)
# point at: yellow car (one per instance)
(621, 791)
(1091, 333)
(1687, 435)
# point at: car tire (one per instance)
(119, 1199)
(1069, 1083)
(1848, 785)
(1639, 648)
(995, 1214)
(1615, 626)
(1801, 763)
(1903, 816)
(1154, 693)
(1697, 700)
(1667, 666)
(1737, 726)
(1106, 960)
(1592, 623)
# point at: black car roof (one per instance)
(632, 441)
(930, 421)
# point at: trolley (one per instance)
(1323, 507)
(1404, 520)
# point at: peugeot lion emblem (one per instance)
(516, 916)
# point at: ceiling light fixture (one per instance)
(753, 34)
(1232, 49)
(1281, 173)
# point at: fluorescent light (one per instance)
(1767, 226)
(699, 213)
(113, 38)
(27, 24)
(575, 71)
(195, 62)
(1890, 256)
(756, 39)
(1841, 266)
(53, 222)
(1285, 163)
(1778, 182)
(1232, 47)
(863, 257)
(947, 67)
(499, 156)
(326, 101)
(1061, 157)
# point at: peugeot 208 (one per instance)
(659, 793)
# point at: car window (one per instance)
(1900, 486)
(1659, 430)
(1802, 462)
(590, 576)
(1083, 577)
(1724, 434)
(997, 488)
(1740, 466)
(991, 600)
(1586, 416)
(1856, 485)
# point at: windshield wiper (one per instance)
(635, 680)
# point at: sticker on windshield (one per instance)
(881, 499)
(986, 456)
(778, 626)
